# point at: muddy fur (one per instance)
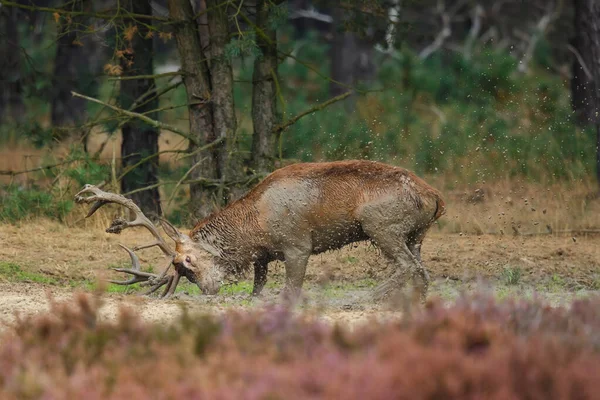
(310, 208)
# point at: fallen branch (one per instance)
(517, 233)
(564, 231)
(142, 117)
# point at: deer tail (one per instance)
(440, 208)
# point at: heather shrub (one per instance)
(477, 348)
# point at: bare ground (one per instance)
(54, 261)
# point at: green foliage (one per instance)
(237, 288)
(243, 46)
(472, 120)
(512, 275)
(21, 203)
(15, 273)
(36, 134)
(86, 171)
(278, 15)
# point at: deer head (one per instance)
(194, 260)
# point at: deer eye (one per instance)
(188, 259)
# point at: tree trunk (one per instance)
(264, 94)
(196, 79)
(72, 72)
(11, 88)
(593, 13)
(351, 58)
(224, 118)
(140, 140)
(582, 82)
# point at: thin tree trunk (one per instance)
(224, 118)
(341, 55)
(593, 13)
(264, 94)
(196, 78)
(140, 140)
(351, 58)
(72, 72)
(11, 88)
(582, 82)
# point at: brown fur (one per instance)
(309, 208)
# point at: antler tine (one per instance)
(170, 289)
(138, 275)
(135, 261)
(100, 198)
(163, 281)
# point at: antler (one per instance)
(101, 198)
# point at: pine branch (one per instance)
(61, 11)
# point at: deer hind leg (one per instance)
(394, 240)
(407, 268)
(421, 280)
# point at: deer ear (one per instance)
(173, 232)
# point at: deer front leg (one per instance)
(260, 276)
(296, 259)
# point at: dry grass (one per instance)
(85, 251)
(491, 207)
(529, 207)
(21, 156)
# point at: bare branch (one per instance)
(43, 168)
(581, 62)
(540, 30)
(148, 120)
(311, 110)
(439, 40)
(153, 76)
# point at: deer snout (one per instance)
(208, 286)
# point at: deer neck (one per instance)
(212, 240)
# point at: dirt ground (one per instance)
(44, 260)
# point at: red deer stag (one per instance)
(296, 211)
